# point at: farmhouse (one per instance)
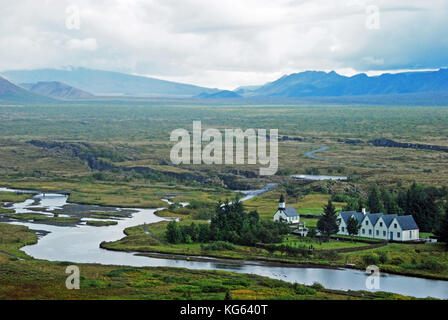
(381, 226)
(287, 214)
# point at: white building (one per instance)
(381, 226)
(287, 214)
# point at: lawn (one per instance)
(295, 241)
(267, 204)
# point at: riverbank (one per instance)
(22, 278)
(399, 259)
(84, 243)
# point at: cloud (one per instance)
(89, 44)
(223, 43)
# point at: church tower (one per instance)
(282, 203)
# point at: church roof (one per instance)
(282, 198)
(290, 212)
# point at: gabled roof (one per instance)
(345, 215)
(388, 218)
(407, 223)
(290, 212)
(374, 217)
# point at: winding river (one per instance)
(80, 244)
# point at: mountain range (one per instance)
(429, 87)
(107, 83)
(331, 84)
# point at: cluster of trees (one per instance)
(425, 204)
(176, 233)
(232, 224)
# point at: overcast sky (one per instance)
(225, 44)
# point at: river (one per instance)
(80, 244)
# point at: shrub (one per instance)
(317, 286)
(218, 245)
(302, 290)
(383, 257)
(329, 255)
(186, 289)
(339, 198)
(433, 265)
(397, 261)
(371, 259)
(123, 271)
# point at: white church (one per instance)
(287, 214)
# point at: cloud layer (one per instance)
(224, 43)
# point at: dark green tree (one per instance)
(328, 224)
(424, 204)
(442, 231)
(374, 201)
(353, 226)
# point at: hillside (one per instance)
(106, 83)
(12, 93)
(57, 90)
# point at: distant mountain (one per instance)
(225, 94)
(322, 84)
(12, 93)
(246, 89)
(108, 83)
(57, 90)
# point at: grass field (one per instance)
(120, 135)
(137, 134)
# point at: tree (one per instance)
(424, 204)
(173, 233)
(390, 203)
(328, 223)
(374, 201)
(353, 226)
(352, 204)
(442, 231)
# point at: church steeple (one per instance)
(282, 203)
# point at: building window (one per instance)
(381, 224)
(377, 233)
(395, 225)
(398, 234)
(363, 231)
(384, 233)
(410, 234)
(367, 223)
(343, 229)
(370, 232)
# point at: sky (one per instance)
(224, 44)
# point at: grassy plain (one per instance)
(128, 134)
(137, 133)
